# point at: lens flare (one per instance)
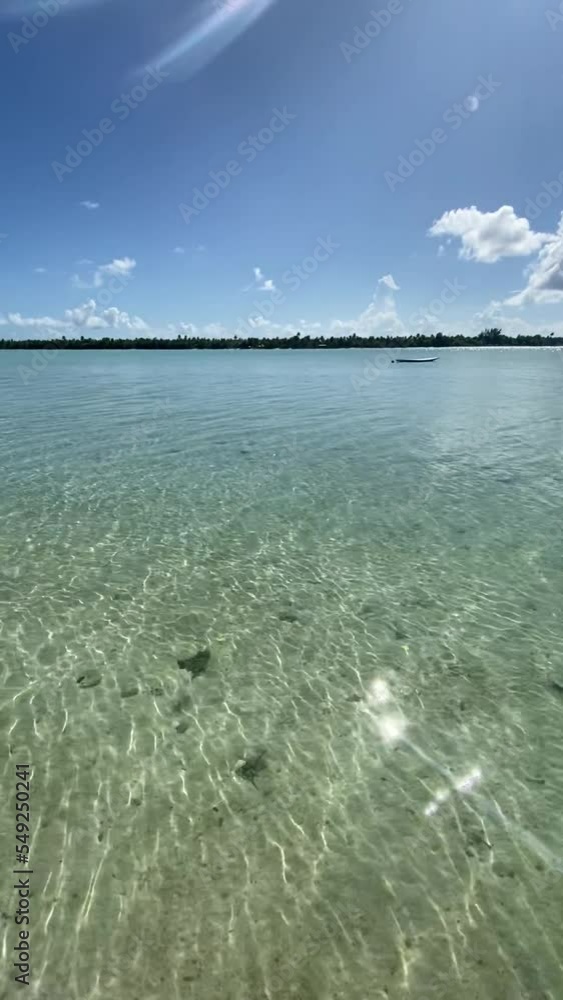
(219, 25)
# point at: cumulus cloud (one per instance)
(179, 250)
(389, 281)
(261, 283)
(35, 322)
(182, 329)
(380, 318)
(515, 325)
(215, 330)
(119, 267)
(90, 205)
(489, 236)
(88, 316)
(77, 320)
(545, 275)
(377, 319)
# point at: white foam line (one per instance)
(155, 703)
(87, 905)
(283, 861)
(231, 928)
(448, 937)
(208, 762)
(48, 918)
(132, 740)
(46, 886)
(65, 723)
(297, 827)
(20, 693)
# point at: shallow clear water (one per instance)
(375, 562)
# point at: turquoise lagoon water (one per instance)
(359, 793)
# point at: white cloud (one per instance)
(545, 275)
(84, 317)
(260, 282)
(489, 236)
(40, 270)
(495, 315)
(78, 282)
(90, 205)
(215, 330)
(380, 318)
(182, 329)
(389, 281)
(87, 315)
(179, 250)
(35, 322)
(120, 267)
(259, 322)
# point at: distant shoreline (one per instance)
(489, 338)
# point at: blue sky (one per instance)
(413, 144)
